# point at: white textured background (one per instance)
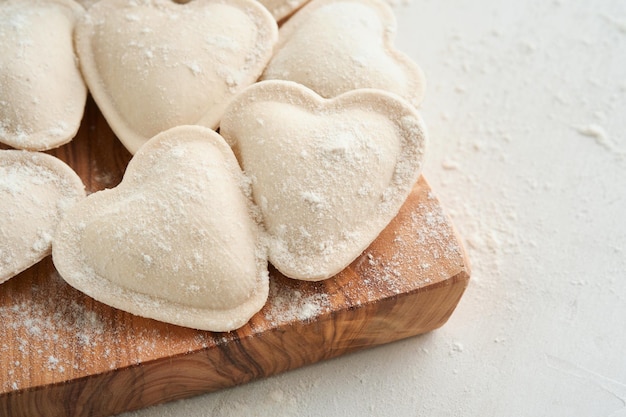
(526, 106)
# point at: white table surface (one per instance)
(526, 107)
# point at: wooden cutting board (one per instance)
(64, 354)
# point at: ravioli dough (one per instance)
(155, 64)
(334, 46)
(36, 190)
(176, 241)
(328, 175)
(281, 9)
(42, 93)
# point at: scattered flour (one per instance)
(449, 164)
(71, 336)
(289, 304)
(600, 136)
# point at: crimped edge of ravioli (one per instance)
(68, 181)
(130, 137)
(66, 256)
(409, 168)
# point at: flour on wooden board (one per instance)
(38, 329)
(288, 305)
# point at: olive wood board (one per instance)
(64, 354)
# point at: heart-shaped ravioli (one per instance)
(327, 174)
(42, 93)
(175, 241)
(154, 64)
(36, 190)
(334, 46)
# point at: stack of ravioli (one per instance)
(262, 132)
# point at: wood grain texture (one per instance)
(65, 354)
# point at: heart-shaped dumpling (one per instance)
(176, 241)
(334, 46)
(155, 64)
(36, 190)
(42, 93)
(327, 174)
